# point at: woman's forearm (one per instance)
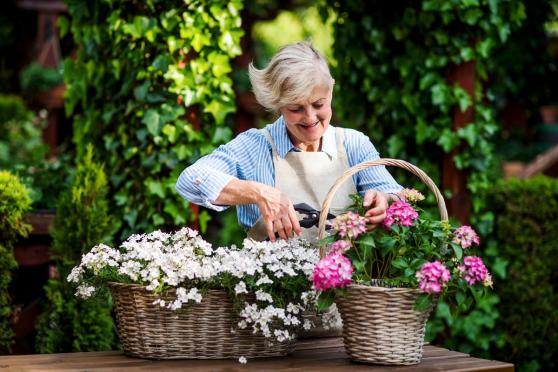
(238, 192)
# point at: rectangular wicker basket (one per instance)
(198, 331)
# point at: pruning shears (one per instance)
(311, 216)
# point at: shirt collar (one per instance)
(278, 131)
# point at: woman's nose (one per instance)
(311, 116)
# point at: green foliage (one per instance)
(22, 151)
(35, 77)
(21, 143)
(525, 231)
(14, 205)
(522, 69)
(82, 220)
(395, 61)
(149, 87)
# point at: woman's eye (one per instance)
(318, 105)
(295, 109)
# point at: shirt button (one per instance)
(197, 181)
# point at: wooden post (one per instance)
(453, 179)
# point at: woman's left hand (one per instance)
(377, 204)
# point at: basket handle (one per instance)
(371, 163)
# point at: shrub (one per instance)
(525, 228)
(82, 220)
(14, 205)
(149, 87)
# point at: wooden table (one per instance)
(325, 354)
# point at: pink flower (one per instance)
(332, 271)
(350, 224)
(465, 236)
(473, 270)
(411, 195)
(432, 276)
(400, 213)
(339, 246)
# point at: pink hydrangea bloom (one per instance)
(350, 224)
(411, 195)
(332, 271)
(473, 270)
(339, 246)
(432, 277)
(400, 213)
(465, 236)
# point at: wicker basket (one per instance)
(380, 324)
(198, 331)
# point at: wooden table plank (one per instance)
(310, 355)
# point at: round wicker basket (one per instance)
(198, 331)
(380, 324)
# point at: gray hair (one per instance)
(291, 76)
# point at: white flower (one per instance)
(75, 275)
(307, 325)
(242, 360)
(263, 296)
(264, 280)
(332, 319)
(240, 288)
(85, 291)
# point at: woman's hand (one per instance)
(277, 212)
(377, 205)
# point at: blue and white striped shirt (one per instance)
(249, 157)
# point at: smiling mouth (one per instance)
(309, 126)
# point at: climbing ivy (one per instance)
(393, 64)
(393, 81)
(149, 87)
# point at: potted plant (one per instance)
(178, 297)
(387, 281)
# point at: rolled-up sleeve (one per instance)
(202, 182)
(360, 149)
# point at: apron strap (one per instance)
(340, 142)
(267, 135)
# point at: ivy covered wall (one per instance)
(149, 88)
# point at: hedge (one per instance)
(526, 236)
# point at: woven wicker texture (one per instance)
(198, 331)
(380, 324)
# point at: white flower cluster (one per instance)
(258, 274)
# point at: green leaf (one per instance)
(423, 302)
(151, 120)
(204, 218)
(457, 250)
(325, 300)
(161, 63)
(140, 92)
(155, 188)
(448, 140)
(400, 263)
(219, 110)
(500, 267)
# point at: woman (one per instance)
(294, 160)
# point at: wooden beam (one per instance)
(453, 179)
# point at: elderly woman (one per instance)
(294, 160)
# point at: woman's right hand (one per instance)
(277, 212)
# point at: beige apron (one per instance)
(306, 177)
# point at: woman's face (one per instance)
(307, 121)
